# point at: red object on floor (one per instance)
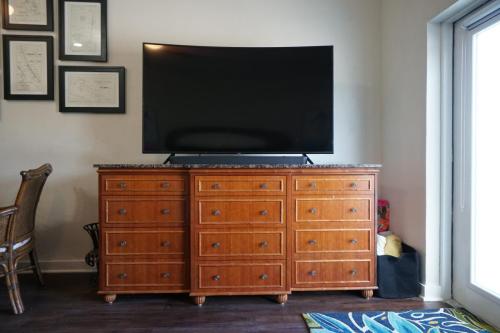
(384, 215)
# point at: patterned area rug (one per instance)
(414, 321)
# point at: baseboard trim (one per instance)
(454, 304)
(432, 293)
(64, 266)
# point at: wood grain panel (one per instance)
(256, 185)
(333, 209)
(236, 243)
(144, 242)
(327, 240)
(330, 184)
(239, 238)
(139, 210)
(239, 275)
(130, 185)
(332, 271)
(241, 211)
(145, 274)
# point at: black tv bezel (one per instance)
(237, 152)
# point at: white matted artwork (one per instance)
(94, 89)
(82, 28)
(33, 12)
(28, 15)
(28, 67)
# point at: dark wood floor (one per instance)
(68, 303)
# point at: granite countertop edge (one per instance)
(236, 166)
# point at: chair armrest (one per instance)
(5, 220)
(7, 211)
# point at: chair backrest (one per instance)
(27, 200)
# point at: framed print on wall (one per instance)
(92, 89)
(83, 30)
(37, 15)
(28, 64)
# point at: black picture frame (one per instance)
(8, 95)
(103, 56)
(91, 69)
(6, 24)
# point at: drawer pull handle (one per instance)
(166, 244)
(312, 185)
(354, 241)
(165, 185)
(264, 277)
(354, 272)
(122, 276)
(165, 211)
(122, 211)
(216, 186)
(354, 185)
(264, 244)
(264, 212)
(313, 273)
(312, 242)
(354, 210)
(216, 245)
(264, 186)
(166, 275)
(122, 185)
(313, 210)
(216, 277)
(122, 243)
(216, 212)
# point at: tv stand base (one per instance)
(238, 160)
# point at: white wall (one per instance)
(405, 50)
(35, 132)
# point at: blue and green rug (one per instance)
(414, 321)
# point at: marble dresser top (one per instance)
(235, 166)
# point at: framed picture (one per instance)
(92, 89)
(28, 67)
(35, 15)
(83, 30)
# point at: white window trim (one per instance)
(463, 77)
(439, 150)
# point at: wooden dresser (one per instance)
(236, 230)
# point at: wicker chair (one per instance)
(92, 258)
(17, 239)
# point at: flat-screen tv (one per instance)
(261, 100)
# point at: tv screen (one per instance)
(199, 99)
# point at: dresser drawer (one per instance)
(327, 184)
(333, 209)
(146, 274)
(237, 211)
(313, 241)
(265, 185)
(252, 244)
(144, 210)
(248, 275)
(130, 185)
(309, 272)
(144, 242)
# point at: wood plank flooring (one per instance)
(68, 303)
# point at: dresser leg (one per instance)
(109, 298)
(282, 298)
(199, 300)
(367, 293)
